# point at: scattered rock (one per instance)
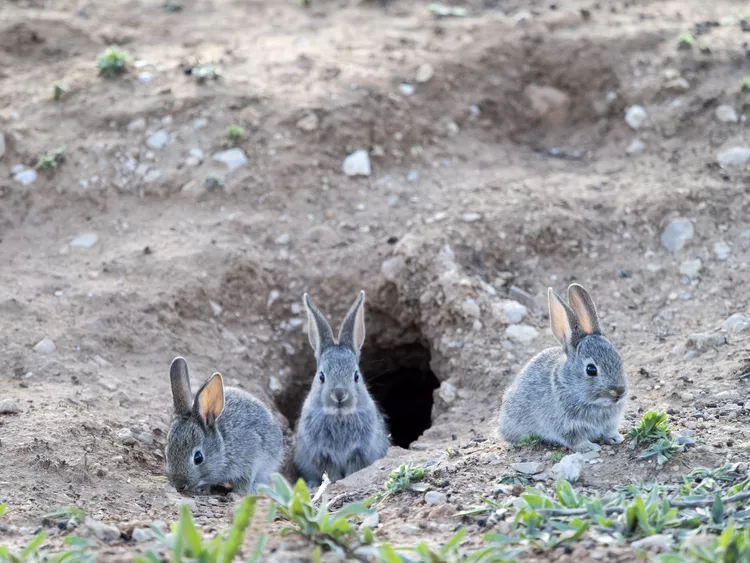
(514, 312)
(471, 217)
(522, 296)
(196, 157)
(274, 385)
(9, 406)
(726, 114)
(102, 531)
(529, 467)
(691, 268)
(283, 239)
(158, 140)
(424, 73)
(125, 436)
(215, 308)
(357, 164)
(521, 334)
(704, 341)
(25, 176)
(406, 89)
(678, 84)
(731, 395)
(470, 308)
(199, 123)
(2, 145)
(145, 438)
(141, 535)
(309, 122)
(447, 392)
(721, 250)
(736, 323)
(687, 397)
(569, 468)
(636, 147)
(392, 268)
(677, 234)
(233, 158)
(656, 543)
(137, 125)
(636, 116)
(548, 103)
(432, 498)
(86, 240)
(735, 157)
(45, 346)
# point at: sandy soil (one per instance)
(509, 167)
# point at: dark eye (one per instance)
(591, 370)
(322, 377)
(198, 457)
(356, 376)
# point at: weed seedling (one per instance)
(745, 84)
(51, 160)
(685, 41)
(235, 134)
(652, 427)
(112, 63)
(213, 182)
(172, 7)
(57, 91)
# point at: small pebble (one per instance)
(45, 346)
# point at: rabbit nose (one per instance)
(619, 390)
(339, 395)
(180, 485)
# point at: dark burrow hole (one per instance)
(399, 379)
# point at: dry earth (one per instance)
(510, 166)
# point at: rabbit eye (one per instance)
(322, 377)
(198, 457)
(591, 370)
(356, 376)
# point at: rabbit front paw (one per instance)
(613, 439)
(586, 446)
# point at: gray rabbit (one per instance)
(223, 438)
(340, 430)
(572, 395)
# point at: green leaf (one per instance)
(452, 543)
(317, 554)
(388, 554)
(368, 536)
(258, 551)
(33, 546)
(717, 509)
(567, 496)
(186, 536)
(3, 507)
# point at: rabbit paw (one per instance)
(586, 446)
(613, 439)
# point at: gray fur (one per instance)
(242, 447)
(338, 436)
(554, 399)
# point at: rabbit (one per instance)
(572, 395)
(225, 438)
(341, 429)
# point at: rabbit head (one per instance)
(593, 373)
(195, 448)
(338, 387)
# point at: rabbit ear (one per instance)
(181, 396)
(318, 330)
(562, 319)
(352, 331)
(584, 308)
(209, 402)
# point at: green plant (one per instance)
(685, 41)
(172, 7)
(406, 477)
(664, 450)
(234, 135)
(213, 182)
(528, 442)
(557, 456)
(51, 160)
(333, 531)
(652, 427)
(745, 84)
(187, 543)
(57, 90)
(112, 63)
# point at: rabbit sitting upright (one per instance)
(225, 438)
(572, 395)
(340, 430)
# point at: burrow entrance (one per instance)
(397, 374)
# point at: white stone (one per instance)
(25, 176)
(125, 436)
(470, 308)
(636, 147)
(283, 239)
(45, 346)
(726, 114)
(357, 164)
(424, 73)
(727, 395)
(85, 240)
(432, 498)
(145, 77)
(687, 397)
(447, 392)
(310, 122)
(9, 406)
(199, 123)
(233, 158)
(215, 307)
(677, 234)
(657, 543)
(145, 438)
(141, 535)
(137, 125)
(735, 157)
(691, 268)
(636, 116)
(521, 334)
(721, 250)
(529, 468)
(197, 153)
(704, 341)
(406, 89)
(102, 531)
(392, 268)
(736, 323)
(471, 217)
(158, 140)
(569, 467)
(514, 312)
(274, 385)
